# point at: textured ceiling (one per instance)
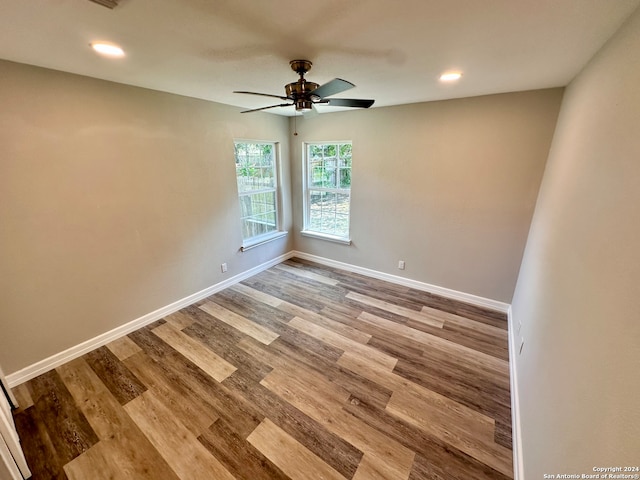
(394, 51)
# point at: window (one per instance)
(327, 184)
(257, 177)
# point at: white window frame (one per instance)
(251, 242)
(306, 188)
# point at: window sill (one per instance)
(324, 236)
(257, 241)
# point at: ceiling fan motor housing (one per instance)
(300, 92)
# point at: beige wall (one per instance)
(448, 186)
(578, 293)
(114, 201)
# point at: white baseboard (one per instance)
(76, 351)
(407, 282)
(518, 466)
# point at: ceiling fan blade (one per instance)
(348, 102)
(265, 108)
(336, 85)
(107, 3)
(265, 95)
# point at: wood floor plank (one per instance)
(96, 463)
(280, 326)
(217, 328)
(441, 456)
(240, 323)
(383, 455)
(179, 319)
(472, 339)
(193, 415)
(343, 329)
(470, 333)
(363, 284)
(123, 450)
(451, 318)
(179, 447)
(466, 386)
(39, 451)
(398, 310)
(494, 455)
(344, 343)
(503, 435)
(288, 454)
(60, 414)
(472, 312)
(463, 428)
(214, 336)
(331, 448)
(239, 456)
(114, 374)
(454, 469)
(295, 310)
(123, 347)
(276, 321)
(257, 295)
(258, 312)
(500, 368)
(197, 385)
(210, 362)
(307, 274)
(443, 412)
(21, 392)
(379, 290)
(393, 327)
(283, 354)
(272, 284)
(301, 371)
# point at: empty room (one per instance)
(336, 240)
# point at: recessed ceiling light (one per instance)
(450, 76)
(108, 49)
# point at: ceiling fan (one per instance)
(107, 3)
(304, 95)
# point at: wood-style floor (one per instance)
(302, 372)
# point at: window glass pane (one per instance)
(255, 166)
(344, 181)
(329, 150)
(316, 173)
(258, 214)
(315, 151)
(257, 184)
(323, 173)
(329, 213)
(328, 183)
(345, 151)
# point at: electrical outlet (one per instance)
(521, 346)
(223, 267)
(401, 264)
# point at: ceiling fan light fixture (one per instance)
(304, 106)
(107, 49)
(450, 76)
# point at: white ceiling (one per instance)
(393, 50)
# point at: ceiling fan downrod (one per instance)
(301, 89)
